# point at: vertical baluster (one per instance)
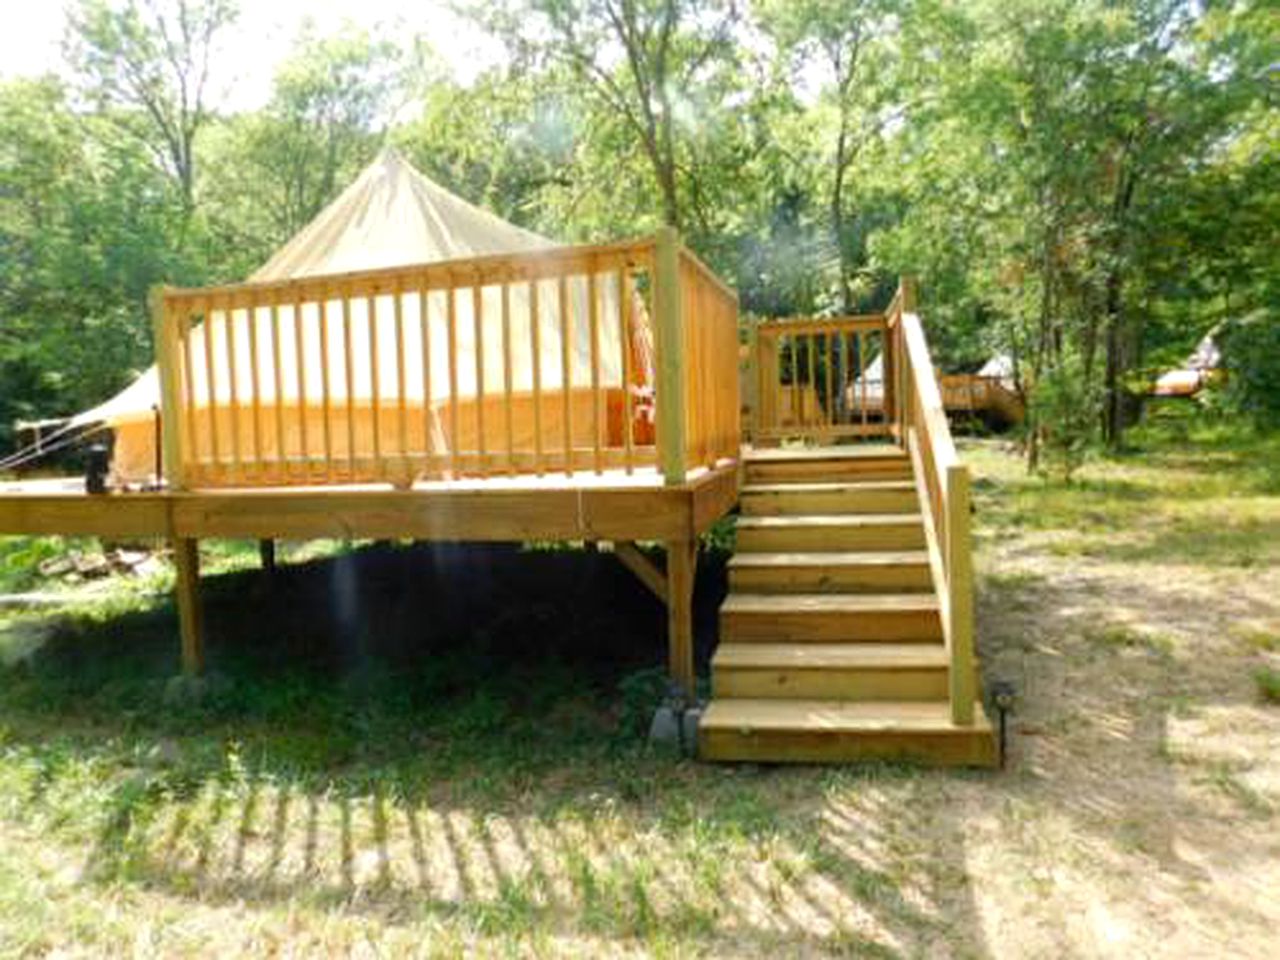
(211, 388)
(535, 332)
(456, 436)
(507, 375)
(300, 347)
(812, 392)
(349, 379)
(402, 393)
(566, 375)
(277, 379)
(793, 342)
(229, 337)
(829, 341)
(593, 309)
(326, 394)
(846, 393)
(624, 339)
(189, 384)
(424, 321)
(375, 383)
(862, 365)
(255, 371)
(477, 320)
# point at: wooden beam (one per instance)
(682, 563)
(656, 513)
(106, 515)
(186, 558)
(669, 337)
(646, 571)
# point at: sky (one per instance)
(31, 40)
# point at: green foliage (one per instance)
(1070, 177)
(1064, 411)
(1251, 353)
(1267, 680)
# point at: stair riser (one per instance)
(817, 626)
(863, 683)
(803, 472)
(829, 503)
(975, 749)
(860, 579)
(904, 536)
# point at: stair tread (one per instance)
(818, 520)
(831, 486)
(839, 716)
(829, 558)
(864, 451)
(829, 603)
(830, 656)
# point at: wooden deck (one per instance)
(848, 631)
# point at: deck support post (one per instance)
(682, 566)
(186, 558)
(669, 342)
(267, 555)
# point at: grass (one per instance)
(1267, 680)
(439, 751)
(1186, 487)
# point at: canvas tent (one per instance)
(390, 216)
(1198, 369)
(868, 388)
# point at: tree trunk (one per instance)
(1113, 412)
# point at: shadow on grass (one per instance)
(451, 734)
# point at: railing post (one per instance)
(669, 336)
(166, 349)
(908, 284)
(959, 566)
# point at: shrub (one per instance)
(1251, 353)
(1066, 407)
(1268, 682)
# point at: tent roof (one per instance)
(394, 216)
(390, 216)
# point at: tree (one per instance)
(643, 60)
(852, 43)
(272, 171)
(145, 64)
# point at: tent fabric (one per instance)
(390, 216)
(999, 367)
(1195, 372)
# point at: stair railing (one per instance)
(819, 378)
(919, 422)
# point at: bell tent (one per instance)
(350, 352)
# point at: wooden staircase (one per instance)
(832, 642)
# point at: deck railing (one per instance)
(819, 378)
(919, 421)
(569, 359)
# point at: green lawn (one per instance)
(437, 751)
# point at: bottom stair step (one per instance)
(830, 731)
(831, 671)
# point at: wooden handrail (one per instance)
(511, 363)
(943, 482)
